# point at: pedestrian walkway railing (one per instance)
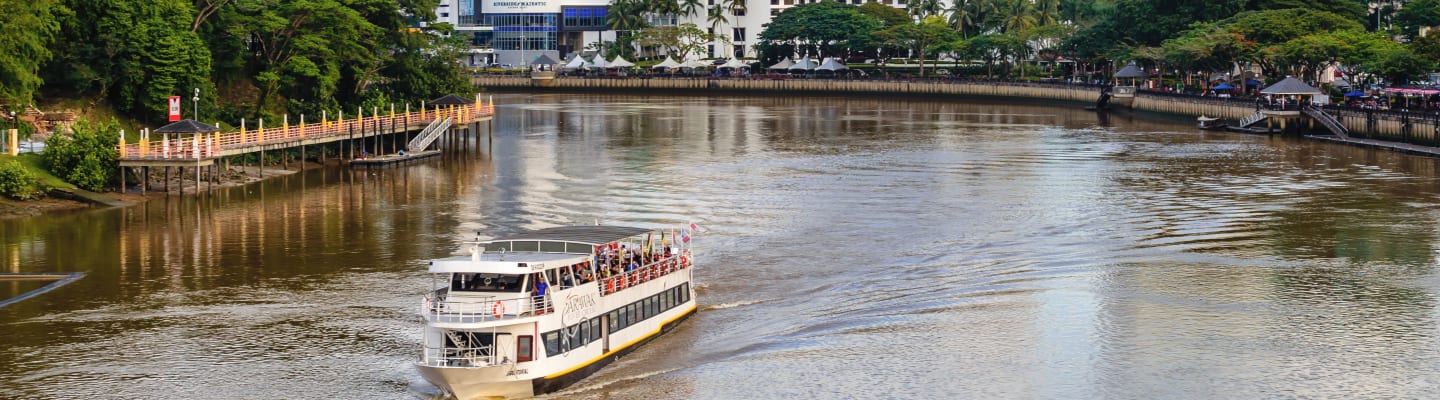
(242, 140)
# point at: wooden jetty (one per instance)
(392, 159)
(201, 152)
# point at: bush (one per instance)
(16, 182)
(86, 158)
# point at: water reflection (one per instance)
(853, 248)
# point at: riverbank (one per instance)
(71, 199)
(1398, 127)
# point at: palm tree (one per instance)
(962, 17)
(925, 8)
(716, 16)
(1018, 15)
(691, 7)
(663, 7)
(1047, 12)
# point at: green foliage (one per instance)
(26, 28)
(87, 158)
(678, 41)
(1418, 13)
(827, 26)
(16, 181)
(136, 53)
(922, 37)
(1349, 9)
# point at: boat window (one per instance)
(483, 282)
(595, 329)
(552, 247)
(524, 348)
(649, 307)
(583, 333)
(552, 343)
(498, 246)
(624, 319)
(577, 248)
(525, 246)
(684, 293)
(634, 313)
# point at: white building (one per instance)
(516, 31)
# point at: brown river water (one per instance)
(851, 248)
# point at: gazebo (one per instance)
(542, 70)
(1290, 87)
(1126, 94)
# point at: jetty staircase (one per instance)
(1327, 120)
(429, 134)
(1252, 119)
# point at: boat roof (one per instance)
(505, 263)
(588, 234)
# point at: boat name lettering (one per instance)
(514, 372)
(577, 307)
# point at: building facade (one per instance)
(516, 31)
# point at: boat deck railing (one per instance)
(646, 273)
(441, 308)
(458, 357)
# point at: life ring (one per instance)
(684, 262)
(498, 310)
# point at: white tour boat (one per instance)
(534, 312)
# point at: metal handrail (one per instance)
(646, 273)
(480, 308)
(458, 356)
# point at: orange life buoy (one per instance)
(498, 309)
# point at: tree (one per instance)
(961, 16)
(826, 25)
(1017, 15)
(134, 53)
(25, 36)
(87, 157)
(1417, 14)
(921, 37)
(1350, 9)
(680, 41)
(922, 9)
(691, 7)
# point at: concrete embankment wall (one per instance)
(1414, 128)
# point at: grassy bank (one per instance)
(36, 166)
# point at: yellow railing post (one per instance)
(242, 130)
(144, 143)
(302, 126)
(285, 126)
(260, 131)
(122, 143)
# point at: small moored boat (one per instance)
(537, 311)
(1210, 124)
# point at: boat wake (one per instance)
(577, 391)
(723, 306)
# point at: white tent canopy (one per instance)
(620, 62)
(693, 63)
(783, 64)
(599, 62)
(668, 63)
(735, 64)
(831, 65)
(575, 62)
(805, 64)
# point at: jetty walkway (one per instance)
(203, 150)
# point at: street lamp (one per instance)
(195, 101)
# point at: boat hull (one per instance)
(495, 382)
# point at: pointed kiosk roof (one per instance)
(451, 100)
(783, 64)
(829, 64)
(575, 62)
(544, 59)
(621, 62)
(805, 64)
(1130, 71)
(188, 126)
(668, 63)
(1290, 85)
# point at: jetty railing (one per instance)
(216, 144)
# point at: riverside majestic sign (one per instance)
(520, 6)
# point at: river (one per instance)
(849, 248)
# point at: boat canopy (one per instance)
(505, 263)
(593, 235)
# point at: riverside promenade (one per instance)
(1418, 132)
